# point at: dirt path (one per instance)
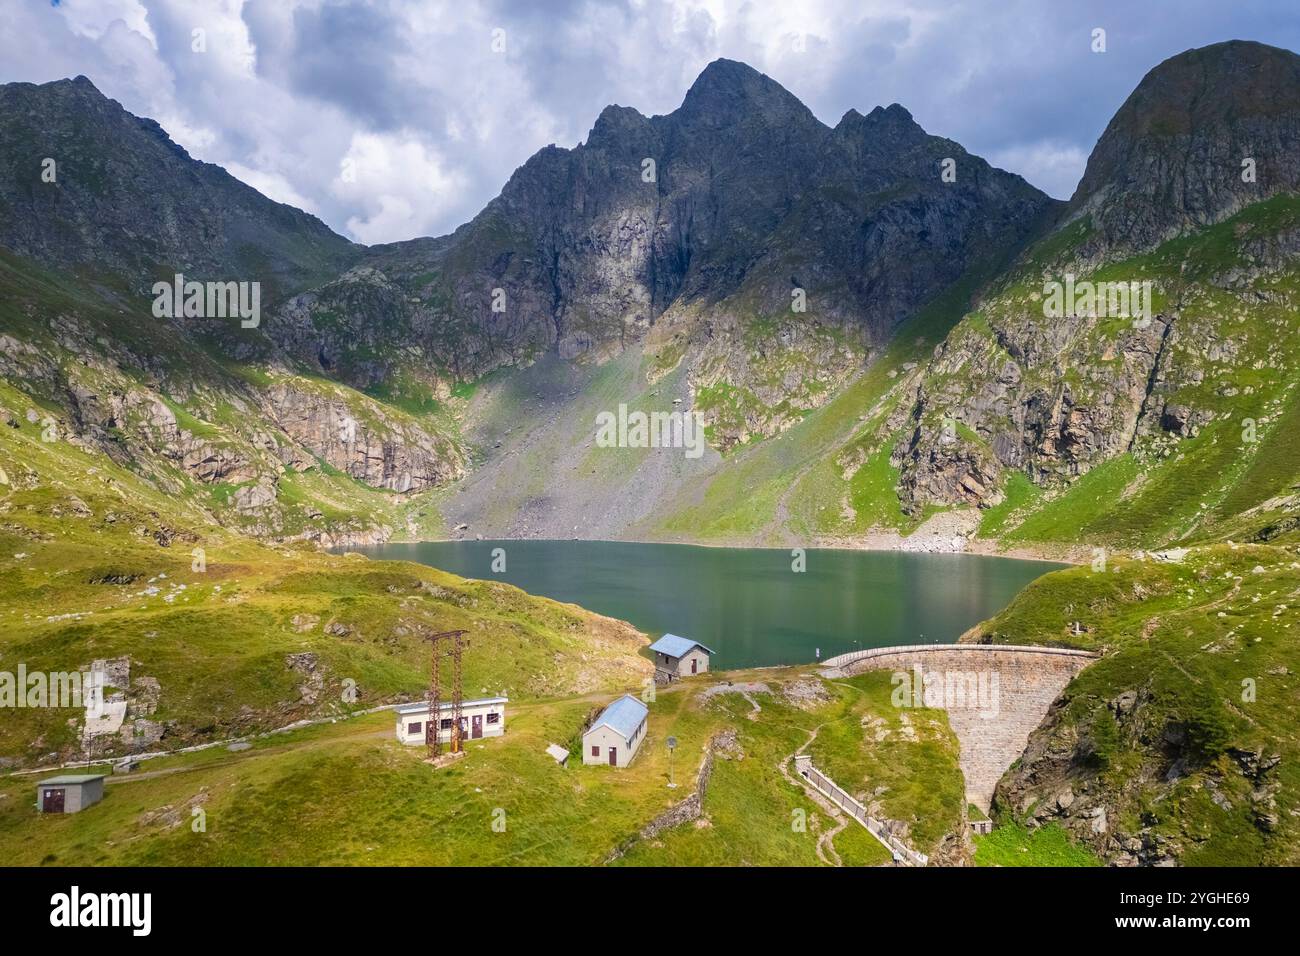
(242, 755)
(825, 845)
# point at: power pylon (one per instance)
(433, 728)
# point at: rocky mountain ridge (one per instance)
(678, 245)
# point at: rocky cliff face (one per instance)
(693, 233)
(1205, 134)
(1017, 386)
(371, 448)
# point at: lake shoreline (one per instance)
(1075, 555)
(756, 607)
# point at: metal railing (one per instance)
(842, 799)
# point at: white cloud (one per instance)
(273, 186)
(401, 186)
(92, 18)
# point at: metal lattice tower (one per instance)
(433, 728)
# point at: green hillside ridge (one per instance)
(1180, 743)
(98, 563)
(75, 355)
(1165, 489)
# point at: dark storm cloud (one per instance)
(346, 56)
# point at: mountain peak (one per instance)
(726, 73)
(614, 124)
(1223, 82)
(1184, 134)
(727, 89)
(894, 113)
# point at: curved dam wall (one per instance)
(994, 694)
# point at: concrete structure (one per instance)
(614, 736)
(485, 717)
(678, 657)
(1006, 690)
(70, 793)
(558, 754)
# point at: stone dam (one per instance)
(995, 696)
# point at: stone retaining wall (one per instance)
(1027, 679)
(683, 811)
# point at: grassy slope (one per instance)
(1197, 488)
(830, 475)
(346, 793)
(746, 498)
(217, 638)
(1012, 845)
(1190, 639)
(904, 762)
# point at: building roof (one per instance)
(73, 778)
(422, 707)
(558, 753)
(675, 646)
(623, 717)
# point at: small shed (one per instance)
(70, 793)
(615, 735)
(677, 657)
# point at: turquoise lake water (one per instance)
(747, 604)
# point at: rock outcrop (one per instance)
(372, 448)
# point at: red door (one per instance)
(613, 756)
(694, 661)
(476, 730)
(53, 801)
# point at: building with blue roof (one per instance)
(677, 657)
(615, 735)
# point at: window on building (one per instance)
(494, 718)
(414, 728)
(595, 750)
(446, 723)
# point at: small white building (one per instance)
(614, 736)
(677, 657)
(485, 717)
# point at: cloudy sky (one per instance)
(393, 119)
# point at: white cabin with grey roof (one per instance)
(614, 737)
(485, 717)
(677, 657)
